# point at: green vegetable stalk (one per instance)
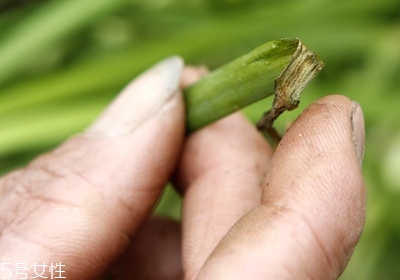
(283, 67)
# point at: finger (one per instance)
(220, 173)
(191, 74)
(313, 203)
(81, 203)
(155, 252)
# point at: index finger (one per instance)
(80, 204)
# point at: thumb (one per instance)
(313, 202)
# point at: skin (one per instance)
(249, 212)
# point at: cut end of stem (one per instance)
(303, 67)
(282, 68)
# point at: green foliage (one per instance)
(62, 61)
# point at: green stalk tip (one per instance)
(261, 73)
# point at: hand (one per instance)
(89, 200)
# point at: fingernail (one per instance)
(140, 100)
(358, 130)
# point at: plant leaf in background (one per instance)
(62, 61)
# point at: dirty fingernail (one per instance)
(143, 98)
(358, 130)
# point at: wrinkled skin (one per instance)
(249, 212)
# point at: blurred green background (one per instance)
(61, 62)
